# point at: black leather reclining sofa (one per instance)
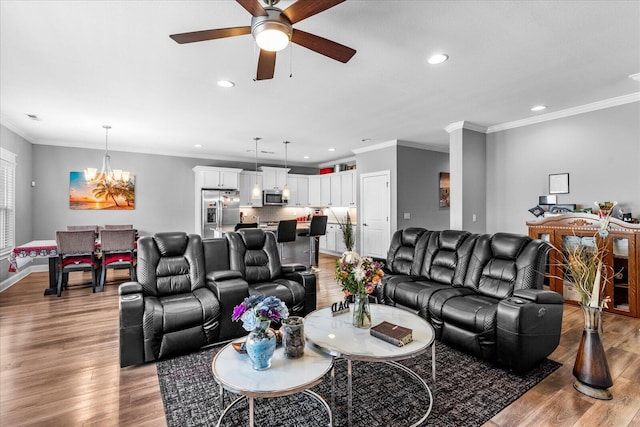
(186, 290)
(481, 293)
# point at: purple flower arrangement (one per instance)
(258, 308)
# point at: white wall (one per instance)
(600, 150)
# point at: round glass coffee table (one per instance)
(234, 372)
(335, 335)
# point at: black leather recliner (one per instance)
(254, 254)
(169, 310)
(482, 294)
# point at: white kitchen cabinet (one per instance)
(273, 178)
(315, 198)
(212, 177)
(247, 182)
(299, 189)
(348, 188)
(325, 190)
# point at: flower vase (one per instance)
(260, 345)
(361, 311)
(591, 369)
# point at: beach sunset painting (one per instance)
(114, 195)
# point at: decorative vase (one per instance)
(260, 345)
(293, 337)
(361, 311)
(591, 369)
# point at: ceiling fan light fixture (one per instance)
(271, 32)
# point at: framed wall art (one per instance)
(559, 183)
(117, 195)
(445, 201)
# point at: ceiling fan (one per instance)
(272, 28)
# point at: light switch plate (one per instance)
(407, 215)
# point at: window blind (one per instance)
(7, 200)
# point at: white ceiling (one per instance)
(80, 64)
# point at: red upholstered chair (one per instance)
(117, 246)
(76, 252)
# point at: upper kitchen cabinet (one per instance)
(314, 190)
(335, 189)
(299, 189)
(273, 178)
(216, 178)
(247, 182)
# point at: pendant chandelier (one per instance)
(285, 189)
(107, 174)
(256, 194)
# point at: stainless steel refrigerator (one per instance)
(220, 212)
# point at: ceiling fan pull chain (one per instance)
(290, 61)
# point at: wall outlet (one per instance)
(407, 215)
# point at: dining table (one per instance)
(25, 253)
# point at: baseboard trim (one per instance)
(15, 278)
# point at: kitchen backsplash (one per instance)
(277, 213)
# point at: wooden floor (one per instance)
(59, 365)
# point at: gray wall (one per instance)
(418, 188)
(377, 161)
(600, 150)
(24, 198)
(474, 184)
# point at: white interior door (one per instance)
(375, 201)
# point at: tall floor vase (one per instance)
(591, 369)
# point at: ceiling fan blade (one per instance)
(323, 46)
(266, 65)
(302, 9)
(253, 7)
(220, 33)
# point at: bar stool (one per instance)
(286, 233)
(240, 225)
(317, 228)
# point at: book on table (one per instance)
(392, 333)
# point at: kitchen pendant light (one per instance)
(256, 193)
(285, 189)
(107, 174)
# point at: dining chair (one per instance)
(117, 247)
(317, 228)
(76, 252)
(118, 226)
(286, 233)
(245, 225)
(95, 228)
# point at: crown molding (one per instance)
(594, 106)
(420, 146)
(15, 129)
(465, 125)
(392, 143)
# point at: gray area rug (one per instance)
(469, 392)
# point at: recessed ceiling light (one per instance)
(332, 149)
(438, 58)
(226, 83)
(365, 139)
(32, 116)
(198, 145)
(538, 108)
(306, 157)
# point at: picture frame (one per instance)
(444, 190)
(559, 183)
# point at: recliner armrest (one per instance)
(128, 288)
(292, 268)
(221, 275)
(230, 292)
(538, 296)
(308, 281)
(131, 308)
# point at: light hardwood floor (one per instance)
(59, 365)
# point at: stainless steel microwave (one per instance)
(273, 198)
